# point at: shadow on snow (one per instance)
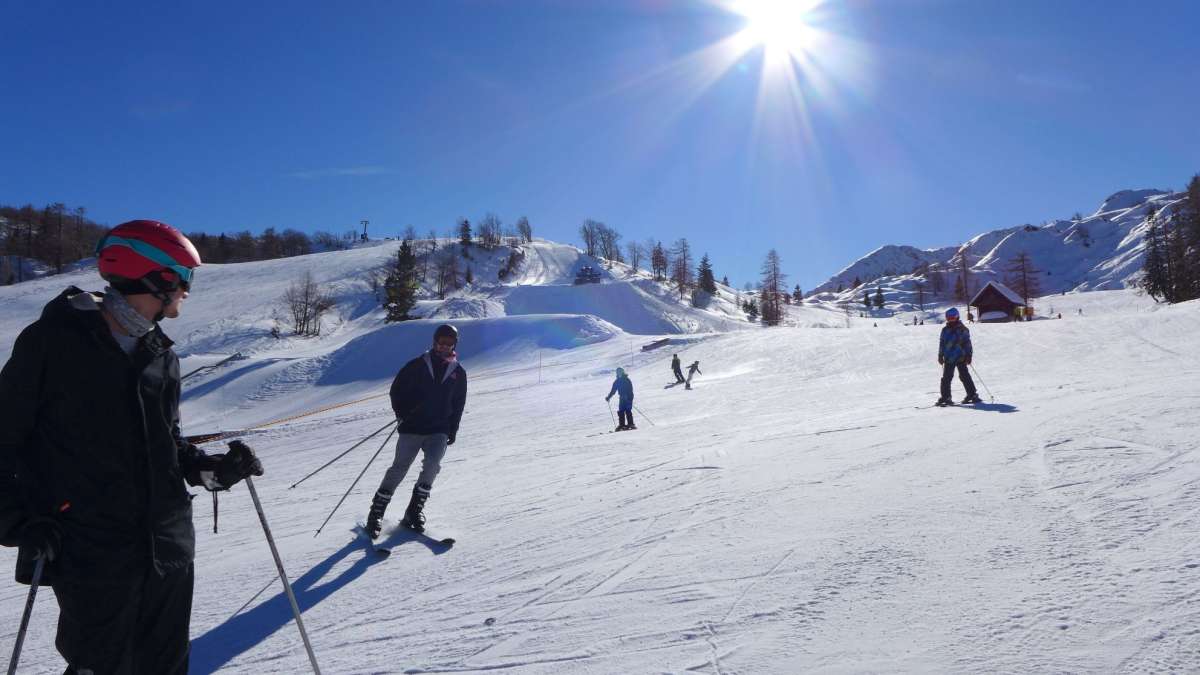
(243, 631)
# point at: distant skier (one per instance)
(428, 396)
(954, 352)
(692, 370)
(623, 387)
(675, 368)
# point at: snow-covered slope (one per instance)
(1101, 251)
(794, 512)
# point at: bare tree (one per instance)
(773, 289)
(306, 301)
(659, 261)
(609, 243)
(488, 230)
(524, 229)
(447, 274)
(635, 251)
(1024, 276)
(589, 232)
(681, 266)
(962, 285)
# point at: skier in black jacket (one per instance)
(92, 463)
(428, 396)
(677, 369)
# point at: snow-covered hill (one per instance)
(1097, 252)
(794, 512)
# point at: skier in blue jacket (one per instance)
(954, 353)
(623, 388)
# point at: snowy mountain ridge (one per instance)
(1102, 251)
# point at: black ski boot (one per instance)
(375, 518)
(972, 398)
(414, 517)
(943, 402)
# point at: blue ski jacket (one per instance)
(955, 344)
(622, 387)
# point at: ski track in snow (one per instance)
(792, 513)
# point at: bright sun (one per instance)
(780, 26)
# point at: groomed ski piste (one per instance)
(794, 512)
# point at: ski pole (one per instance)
(33, 586)
(991, 399)
(644, 415)
(287, 586)
(372, 435)
(610, 412)
(360, 475)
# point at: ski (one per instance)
(603, 433)
(424, 537)
(384, 550)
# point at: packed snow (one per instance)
(801, 509)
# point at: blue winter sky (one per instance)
(823, 132)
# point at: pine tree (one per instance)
(752, 310)
(704, 275)
(1154, 272)
(878, 297)
(400, 286)
(470, 276)
(464, 235)
(797, 295)
(725, 281)
(866, 299)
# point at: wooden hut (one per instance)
(996, 303)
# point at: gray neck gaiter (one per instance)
(119, 308)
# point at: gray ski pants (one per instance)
(407, 446)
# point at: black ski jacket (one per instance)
(89, 436)
(428, 396)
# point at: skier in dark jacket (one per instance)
(92, 463)
(692, 370)
(954, 353)
(623, 388)
(428, 396)
(677, 369)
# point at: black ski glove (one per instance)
(941, 361)
(450, 438)
(237, 464)
(43, 536)
(218, 472)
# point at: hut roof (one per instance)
(1007, 292)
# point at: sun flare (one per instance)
(780, 27)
